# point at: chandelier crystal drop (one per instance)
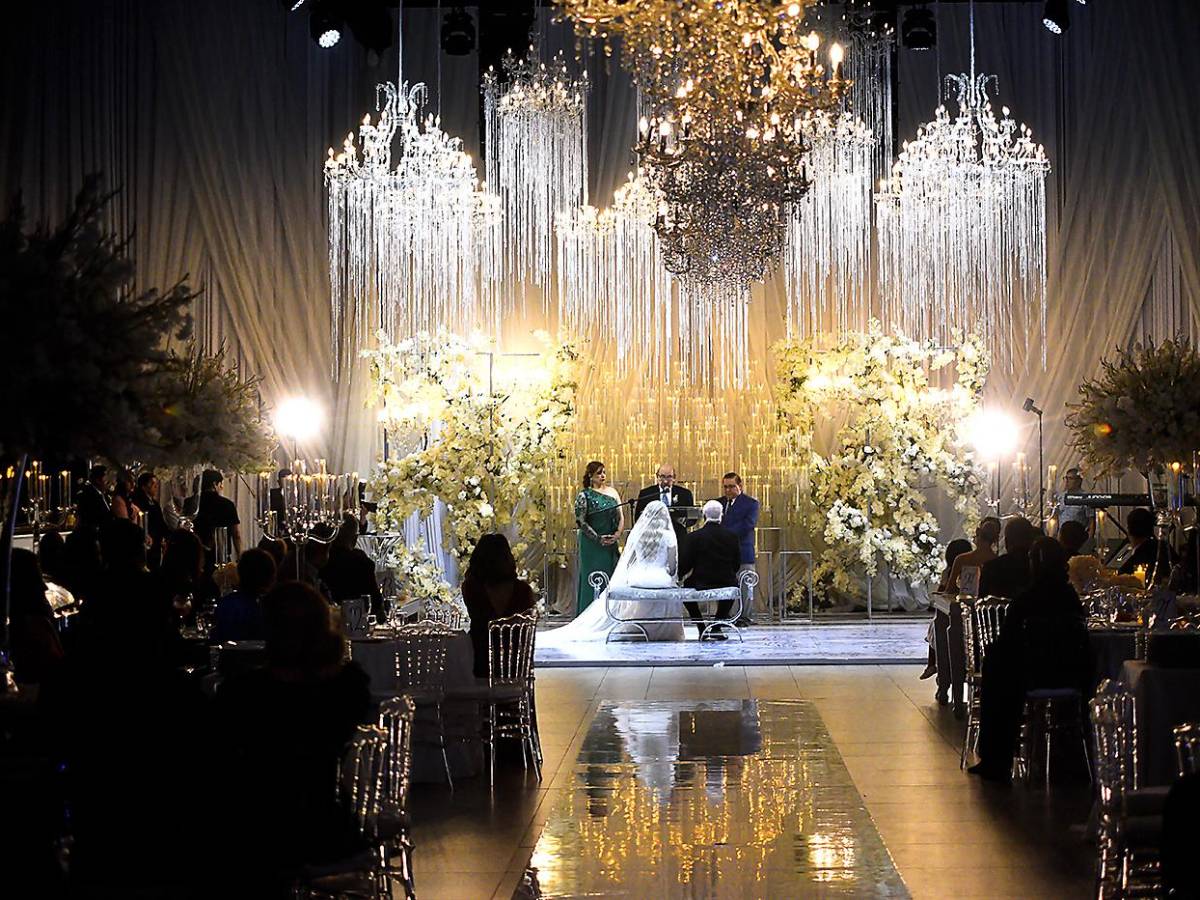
(828, 259)
(535, 120)
(962, 227)
(414, 241)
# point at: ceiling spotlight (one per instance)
(918, 29)
(1057, 17)
(458, 32)
(325, 28)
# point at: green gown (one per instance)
(596, 514)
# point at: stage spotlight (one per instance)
(325, 28)
(1057, 16)
(992, 433)
(918, 29)
(298, 418)
(458, 32)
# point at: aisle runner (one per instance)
(891, 642)
(720, 798)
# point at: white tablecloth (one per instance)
(378, 659)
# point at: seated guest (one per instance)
(284, 728)
(349, 572)
(179, 578)
(1043, 643)
(954, 550)
(1008, 574)
(304, 562)
(1144, 546)
(709, 558)
(239, 615)
(1072, 535)
(491, 590)
(36, 650)
(52, 557)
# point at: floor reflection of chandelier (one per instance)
(413, 240)
(962, 227)
(536, 156)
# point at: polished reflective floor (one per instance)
(709, 798)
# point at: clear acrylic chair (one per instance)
(508, 694)
(1187, 748)
(1130, 824)
(421, 651)
(981, 623)
(396, 716)
(361, 784)
(1055, 652)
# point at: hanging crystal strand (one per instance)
(869, 67)
(827, 263)
(536, 161)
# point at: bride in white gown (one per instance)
(650, 560)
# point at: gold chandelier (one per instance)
(728, 89)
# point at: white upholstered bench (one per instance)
(742, 596)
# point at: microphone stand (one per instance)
(1029, 407)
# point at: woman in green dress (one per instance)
(600, 517)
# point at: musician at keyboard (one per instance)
(1084, 515)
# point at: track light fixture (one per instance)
(324, 26)
(1057, 16)
(458, 32)
(918, 29)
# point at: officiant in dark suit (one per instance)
(672, 497)
(709, 558)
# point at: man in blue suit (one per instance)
(740, 517)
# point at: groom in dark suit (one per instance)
(741, 517)
(671, 496)
(709, 558)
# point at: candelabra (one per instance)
(305, 502)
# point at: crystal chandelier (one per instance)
(536, 156)
(962, 227)
(414, 243)
(615, 287)
(827, 263)
(727, 85)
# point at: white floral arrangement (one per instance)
(486, 456)
(867, 496)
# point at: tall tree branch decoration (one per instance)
(902, 433)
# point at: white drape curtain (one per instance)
(214, 118)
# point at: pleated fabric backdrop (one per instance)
(214, 117)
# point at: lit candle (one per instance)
(1140, 574)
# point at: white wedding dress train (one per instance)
(650, 560)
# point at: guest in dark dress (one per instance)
(145, 498)
(181, 575)
(239, 615)
(284, 729)
(1043, 643)
(491, 590)
(37, 652)
(349, 572)
(1008, 575)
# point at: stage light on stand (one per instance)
(1057, 16)
(992, 434)
(298, 418)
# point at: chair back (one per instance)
(981, 623)
(396, 721)
(421, 655)
(442, 614)
(1114, 721)
(1187, 748)
(510, 646)
(1055, 652)
(362, 777)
